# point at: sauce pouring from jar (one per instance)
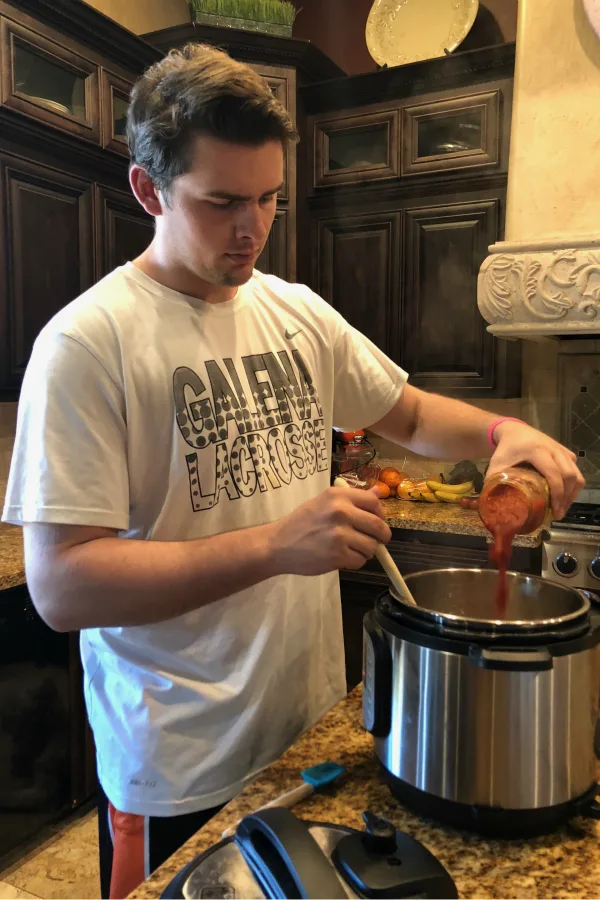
(512, 502)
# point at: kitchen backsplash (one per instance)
(579, 379)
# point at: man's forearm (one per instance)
(437, 427)
(109, 582)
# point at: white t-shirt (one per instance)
(171, 419)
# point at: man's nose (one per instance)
(251, 224)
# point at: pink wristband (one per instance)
(494, 425)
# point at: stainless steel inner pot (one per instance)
(457, 597)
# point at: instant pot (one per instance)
(276, 855)
(484, 722)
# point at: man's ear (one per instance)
(145, 191)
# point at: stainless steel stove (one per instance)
(571, 554)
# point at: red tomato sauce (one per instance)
(505, 513)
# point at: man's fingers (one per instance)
(573, 480)
(371, 525)
(360, 543)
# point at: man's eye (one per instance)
(264, 201)
(223, 204)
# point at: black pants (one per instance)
(132, 847)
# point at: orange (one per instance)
(392, 477)
(383, 490)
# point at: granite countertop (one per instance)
(449, 518)
(563, 864)
(12, 565)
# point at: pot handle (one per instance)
(377, 678)
(539, 660)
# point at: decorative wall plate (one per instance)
(405, 31)
(592, 9)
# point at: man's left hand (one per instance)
(517, 443)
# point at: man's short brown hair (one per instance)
(199, 90)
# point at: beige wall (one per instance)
(555, 136)
(141, 16)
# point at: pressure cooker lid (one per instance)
(275, 854)
(224, 873)
(465, 599)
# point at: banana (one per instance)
(415, 494)
(465, 488)
(448, 497)
(429, 496)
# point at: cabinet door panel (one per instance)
(455, 133)
(445, 344)
(274, 258)
(351, 149)
(115, 100)
(46, 253)
(282, 81)
(44, 80)
(124, 230)
(358, 273)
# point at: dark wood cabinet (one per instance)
(357, 272)
(452, 134)
(357, 148)
(282, 81)
(275, 258)
(46, 253)
(115, 99)
(279, 255)
(407, 194)
(44, 79)
(445, 345)
(67, 216)
(123, 229)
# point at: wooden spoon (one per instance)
(383, 555)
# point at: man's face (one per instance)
(221, 211)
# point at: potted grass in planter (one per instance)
(269, 16)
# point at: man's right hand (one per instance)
(339, 529)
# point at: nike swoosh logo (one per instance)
(289, 335)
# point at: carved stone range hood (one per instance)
(543, 280)
(548, 288)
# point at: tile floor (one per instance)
(63, 867)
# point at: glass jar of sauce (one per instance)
(515, 500)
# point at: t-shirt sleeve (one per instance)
(367, 384)
(69, 464)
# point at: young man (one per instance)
(171, 471)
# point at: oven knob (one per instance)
(594, 567)
(566, 564)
